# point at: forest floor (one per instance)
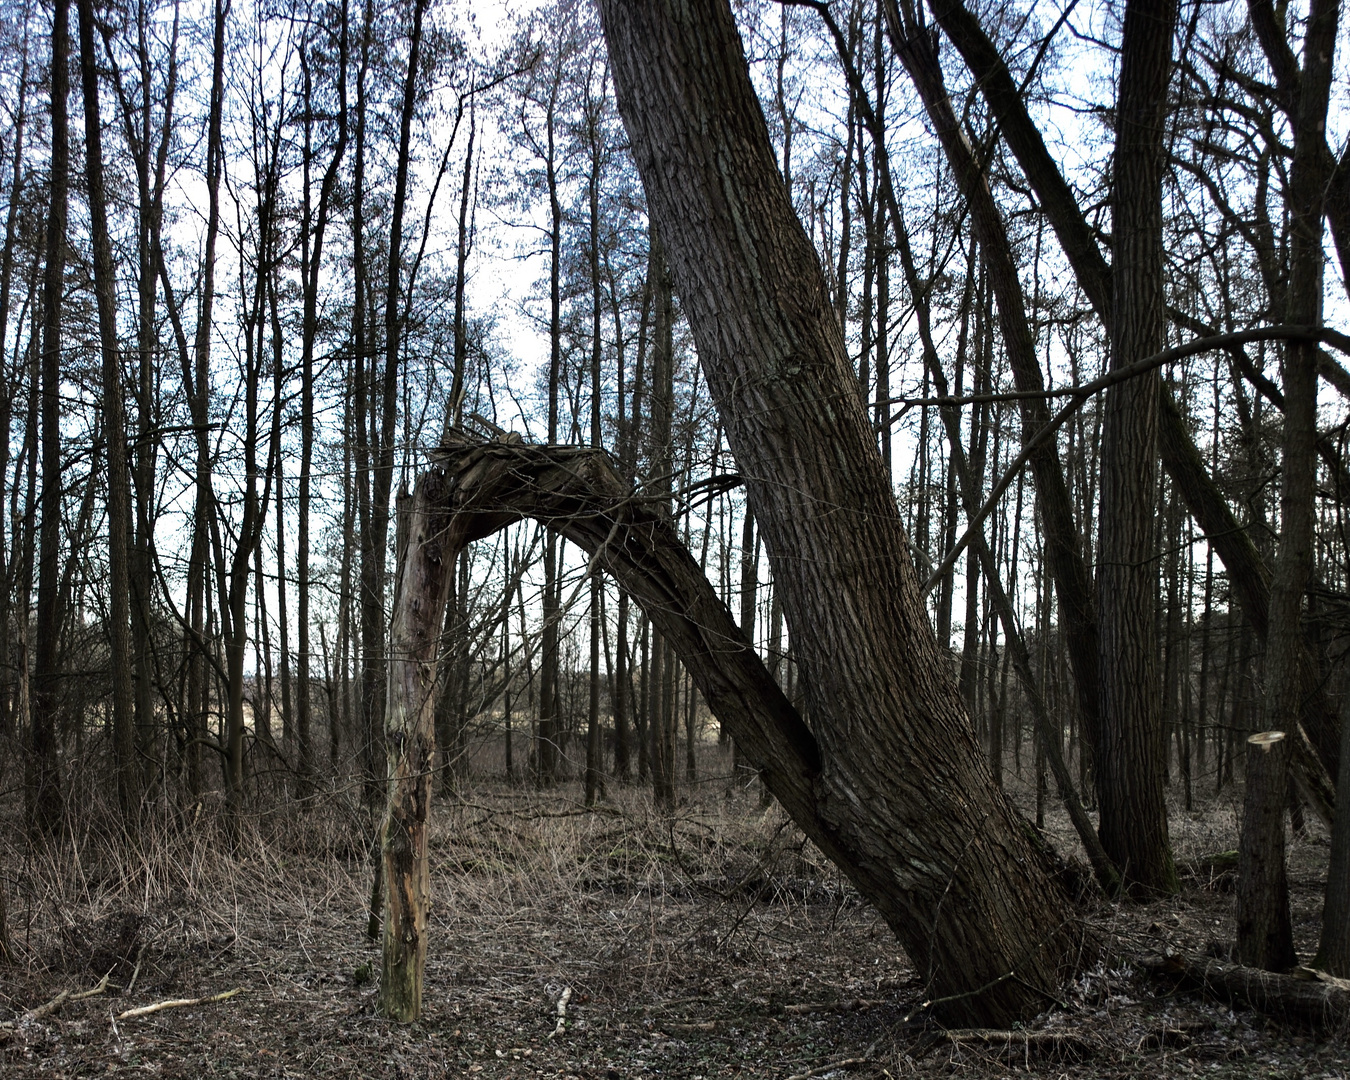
(714, 943)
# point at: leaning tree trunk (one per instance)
(946, 863)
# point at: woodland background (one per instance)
(288, 249)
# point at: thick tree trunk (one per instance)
(1302, 998)
(1130, 751)
(1265, 936)
(954, 873)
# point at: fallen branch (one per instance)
(47, 1009)
(563, 999)
(61, 999)
(178, 1003)
(136, 971)
(700, 1025)
(852, 1005)
(1314, 998)
(102, 985)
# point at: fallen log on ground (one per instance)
(1308, 997)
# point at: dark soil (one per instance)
(717, 943)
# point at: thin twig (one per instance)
(136, 971)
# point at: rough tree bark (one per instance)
(1130, 750)
(954, 872)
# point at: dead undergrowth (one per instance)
(612, 943)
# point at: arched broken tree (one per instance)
(938, 852)
(888, 780)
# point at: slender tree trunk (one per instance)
(197, 382)
(1181, 459)
(119, 481)
(11, 554)
(396, 997)
(594, 779)
(1333, 951)
(1265, 934)
(642, 715)
(315, 226)
(550, 721)
(42, 773)
(288, 732)
(364, 389)
(1064, 555)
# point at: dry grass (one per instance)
(716, 942)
